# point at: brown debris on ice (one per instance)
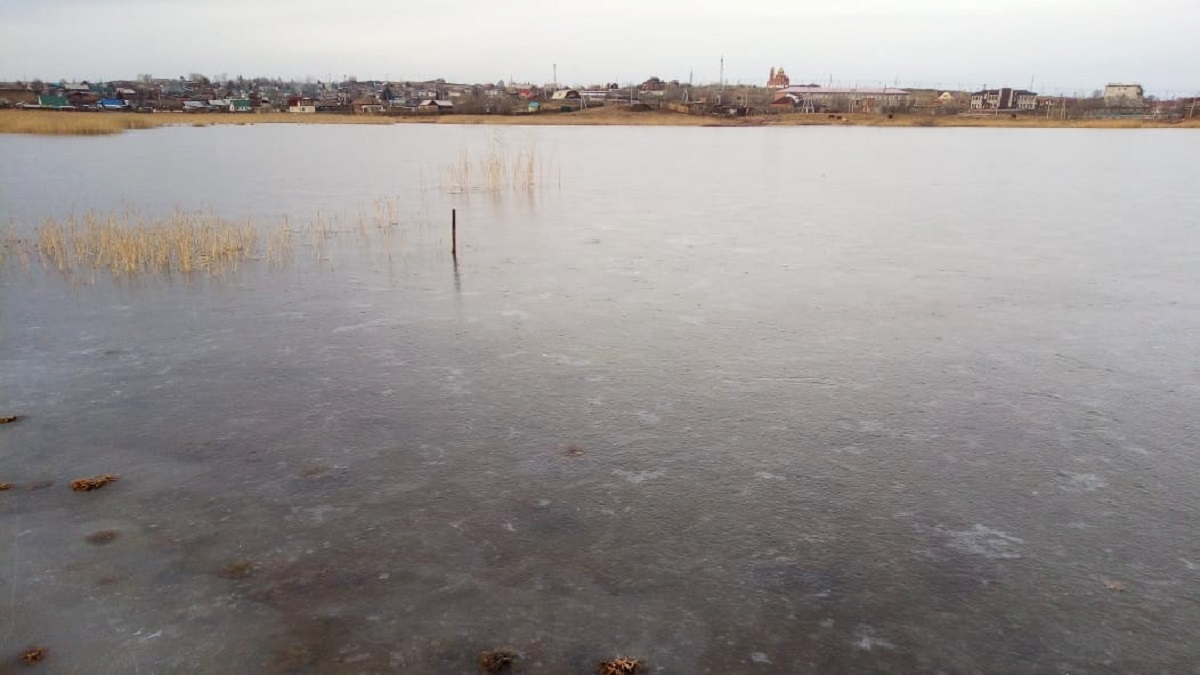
(102, 537)
(94, 483)
(238, 570)
(497, 661)
(619, 666)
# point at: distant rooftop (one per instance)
(874, 91)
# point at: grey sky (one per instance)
(1064, 45)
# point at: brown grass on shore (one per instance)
(51, 123)
(66, 123)
(59, 123)
(89, 123)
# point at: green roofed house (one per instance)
(240, 105)
(55, 102)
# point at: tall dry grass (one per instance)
(499, 168)
(53, 123)
(125, 244)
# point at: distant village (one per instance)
(777, 94)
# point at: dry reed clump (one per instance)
(498, 169)
(619, 666)
(9, 419)
(1115, 586)
(5, 487)
(497, 661)
(94, 483)
(33, 655)
(124, 244)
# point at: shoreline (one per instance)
(68, 123)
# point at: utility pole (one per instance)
(556, 77)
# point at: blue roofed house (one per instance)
(113, 104)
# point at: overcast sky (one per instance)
(1062, 45)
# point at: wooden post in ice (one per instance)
(454, 233)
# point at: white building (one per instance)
(852, 99)
(302, 105)
(1005, 98)
(1124, 96)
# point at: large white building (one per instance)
(1124, 96)
(1005, 98)
(848, 99)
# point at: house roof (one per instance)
(52, 101)
(1016, 92)
(872, 91)
(438, 103)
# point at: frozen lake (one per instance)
(727, 400)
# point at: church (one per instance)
(778, 79)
